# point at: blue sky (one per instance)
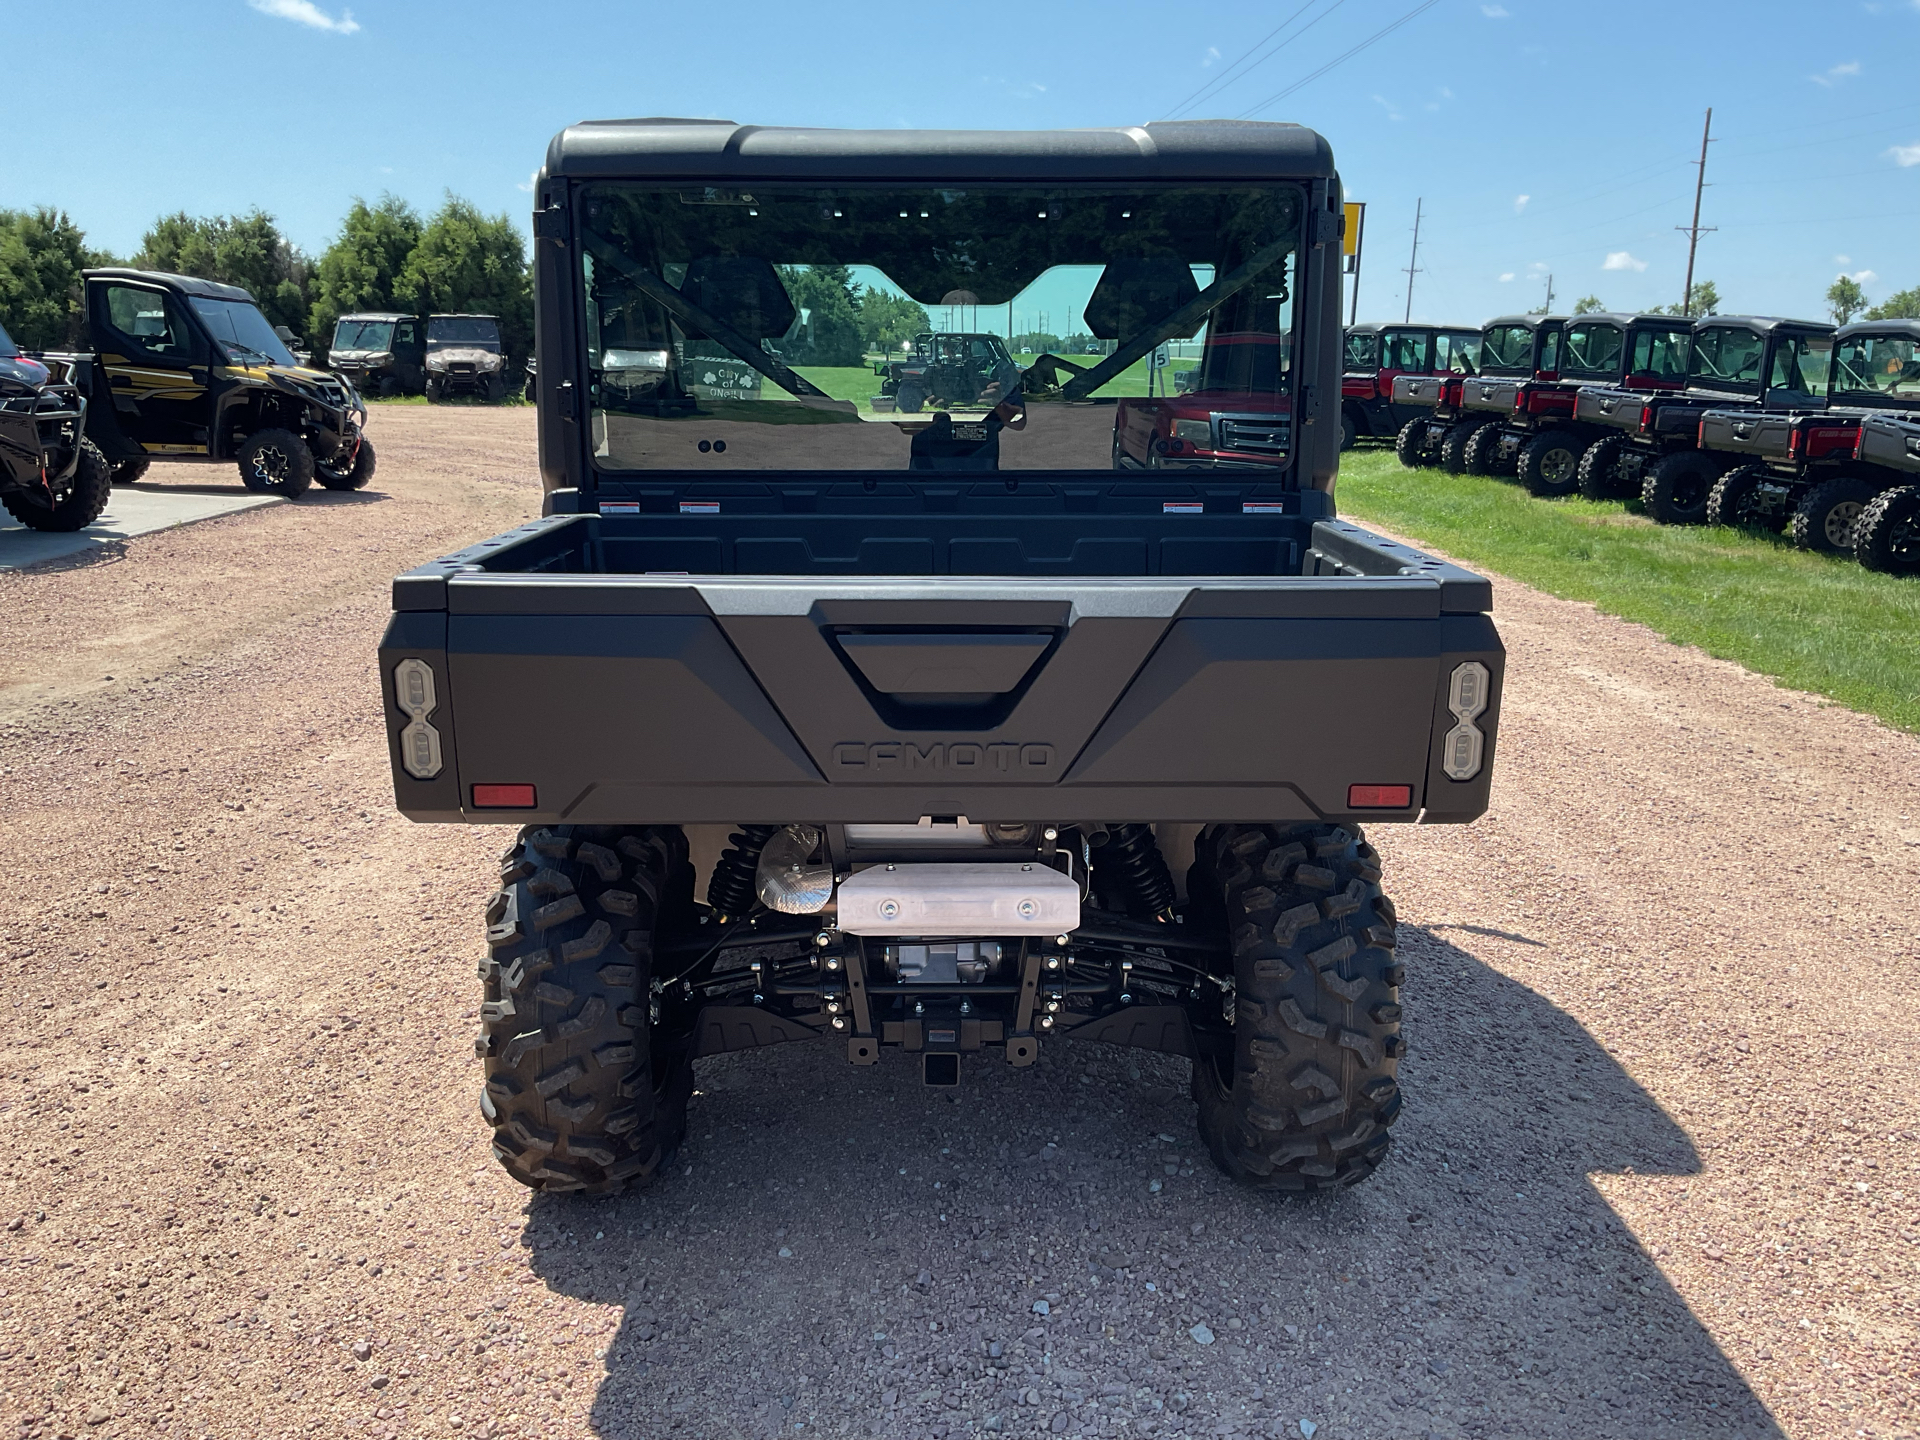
(1545, 136)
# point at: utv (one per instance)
(51, 476)
(1377, 355)
(1513, 350)
(187, 369)
(380, 354)
(1435, 403)
(465, 357)
(953, 371)
(1651, 445)
(1812, 470)
(816, 733)
(1535, 433)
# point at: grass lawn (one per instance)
(1814, 622)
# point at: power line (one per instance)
(1340, 59)
(1226, 77)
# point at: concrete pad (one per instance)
(132, 511)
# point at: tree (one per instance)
(1845, 299)
(245, 250)
(42, 253)
(827, 331)
(1901, 305)
(886, 321)
(472, 263)
(1704, 299)
(362, 268)
(1035, 342)
(1587, 304)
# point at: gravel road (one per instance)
(1658, 1174)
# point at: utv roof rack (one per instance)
(185, 284)
(721, 149)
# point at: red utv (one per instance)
(1376, 356)
(1434, 402)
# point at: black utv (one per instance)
(1651, 441)
(949, 369)
(1514, 349)
(1377, 355)
(814, 733)
(1816, 461)
(1535, 432)
(380, 354)
(465, 356)
(51, 476)
(187, 369)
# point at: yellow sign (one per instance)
(1350, 238)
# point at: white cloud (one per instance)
(1494, 12)
(1906, 156)
(1836, 72)
(533, 179)
(1213, 54)
(1393, 112)
(1622, 260)
(1843, 259)
(305, 12)
(1506, 277)
(1520, 203)
(1863, 277)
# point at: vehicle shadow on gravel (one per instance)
(844, 1252)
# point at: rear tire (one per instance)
(433, 391)
(583, 1091)
(1349, 432)
(1303, 1099)
(910, 398)
(1827, 518)
(87, 495)
(1550, 465)
(276, 462)
(1596, 479)
(1410, 445)
(1478, 456)
(1887, 539)
(130, 472)
(356, 476)
(1739, 501)
(496, 389)
(1678, 487)
(1453, 448)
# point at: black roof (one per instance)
(1374, 327)
(1908, 328)
(668, 147)
(1633, 317)
(1759, 324)
(457, 315)
(1532, 322)
(184, 284)
(377, 315)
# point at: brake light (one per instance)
(503, 797)
(1520, 400)
(1646, 417)
(1796, 442)
(1379, 797)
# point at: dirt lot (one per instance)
(1658, 1176)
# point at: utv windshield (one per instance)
(363, 335)
(1593, 350)
(1886, 366)
(780, 324)
(1507, 350)
(242, 332)
(466, 331)
(1802, 364)
(1363, 350)
(1725, 359)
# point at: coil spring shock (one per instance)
(1133, 855)
(730, 891)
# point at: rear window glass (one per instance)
(1879, 365)
(1457, 351)
(1726, 358)
(1660, 353)
(1363, 351)
(1405, 350)
(1801, 364)
(1593, 350)
(1507, 350)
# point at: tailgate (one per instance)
(1890, 440)
(690, 699)
(1598, 405)
(1489, 395)
(1418, 389)
(1746, 432)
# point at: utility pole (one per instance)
(1413, 260)
(1694, 231)
(1549, 309)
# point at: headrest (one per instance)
(1133, 294)
(744, 291)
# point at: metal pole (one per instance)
(1693, 231)
(1413, 259)
(1359, 242)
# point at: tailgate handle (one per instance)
(944, 665)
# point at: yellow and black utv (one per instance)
(188, 369)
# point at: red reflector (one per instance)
(1379, 797)
(503, 797)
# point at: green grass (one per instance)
(1813, 622)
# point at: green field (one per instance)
(1814, 622)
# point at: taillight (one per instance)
(503, 797)
(1646, 417)
(1520, 400)
(1796, 442)
(1379, 797)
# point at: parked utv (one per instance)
(953, 370)
(1377, 355)
(188, 369)
(51, 476)
(465, 357)
(1653, 448)
(1513, 350)
(1535, 432)
(1434, 401)
(1811, 468)
(817, 733)
(380, 354)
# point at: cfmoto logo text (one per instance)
(966, 758)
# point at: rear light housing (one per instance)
(1519, 399)
(1796, 442)
(1646, 417)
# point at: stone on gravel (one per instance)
(1041, 1307)
(361, 1349)
(1201, 1335)
(1307, 1427)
